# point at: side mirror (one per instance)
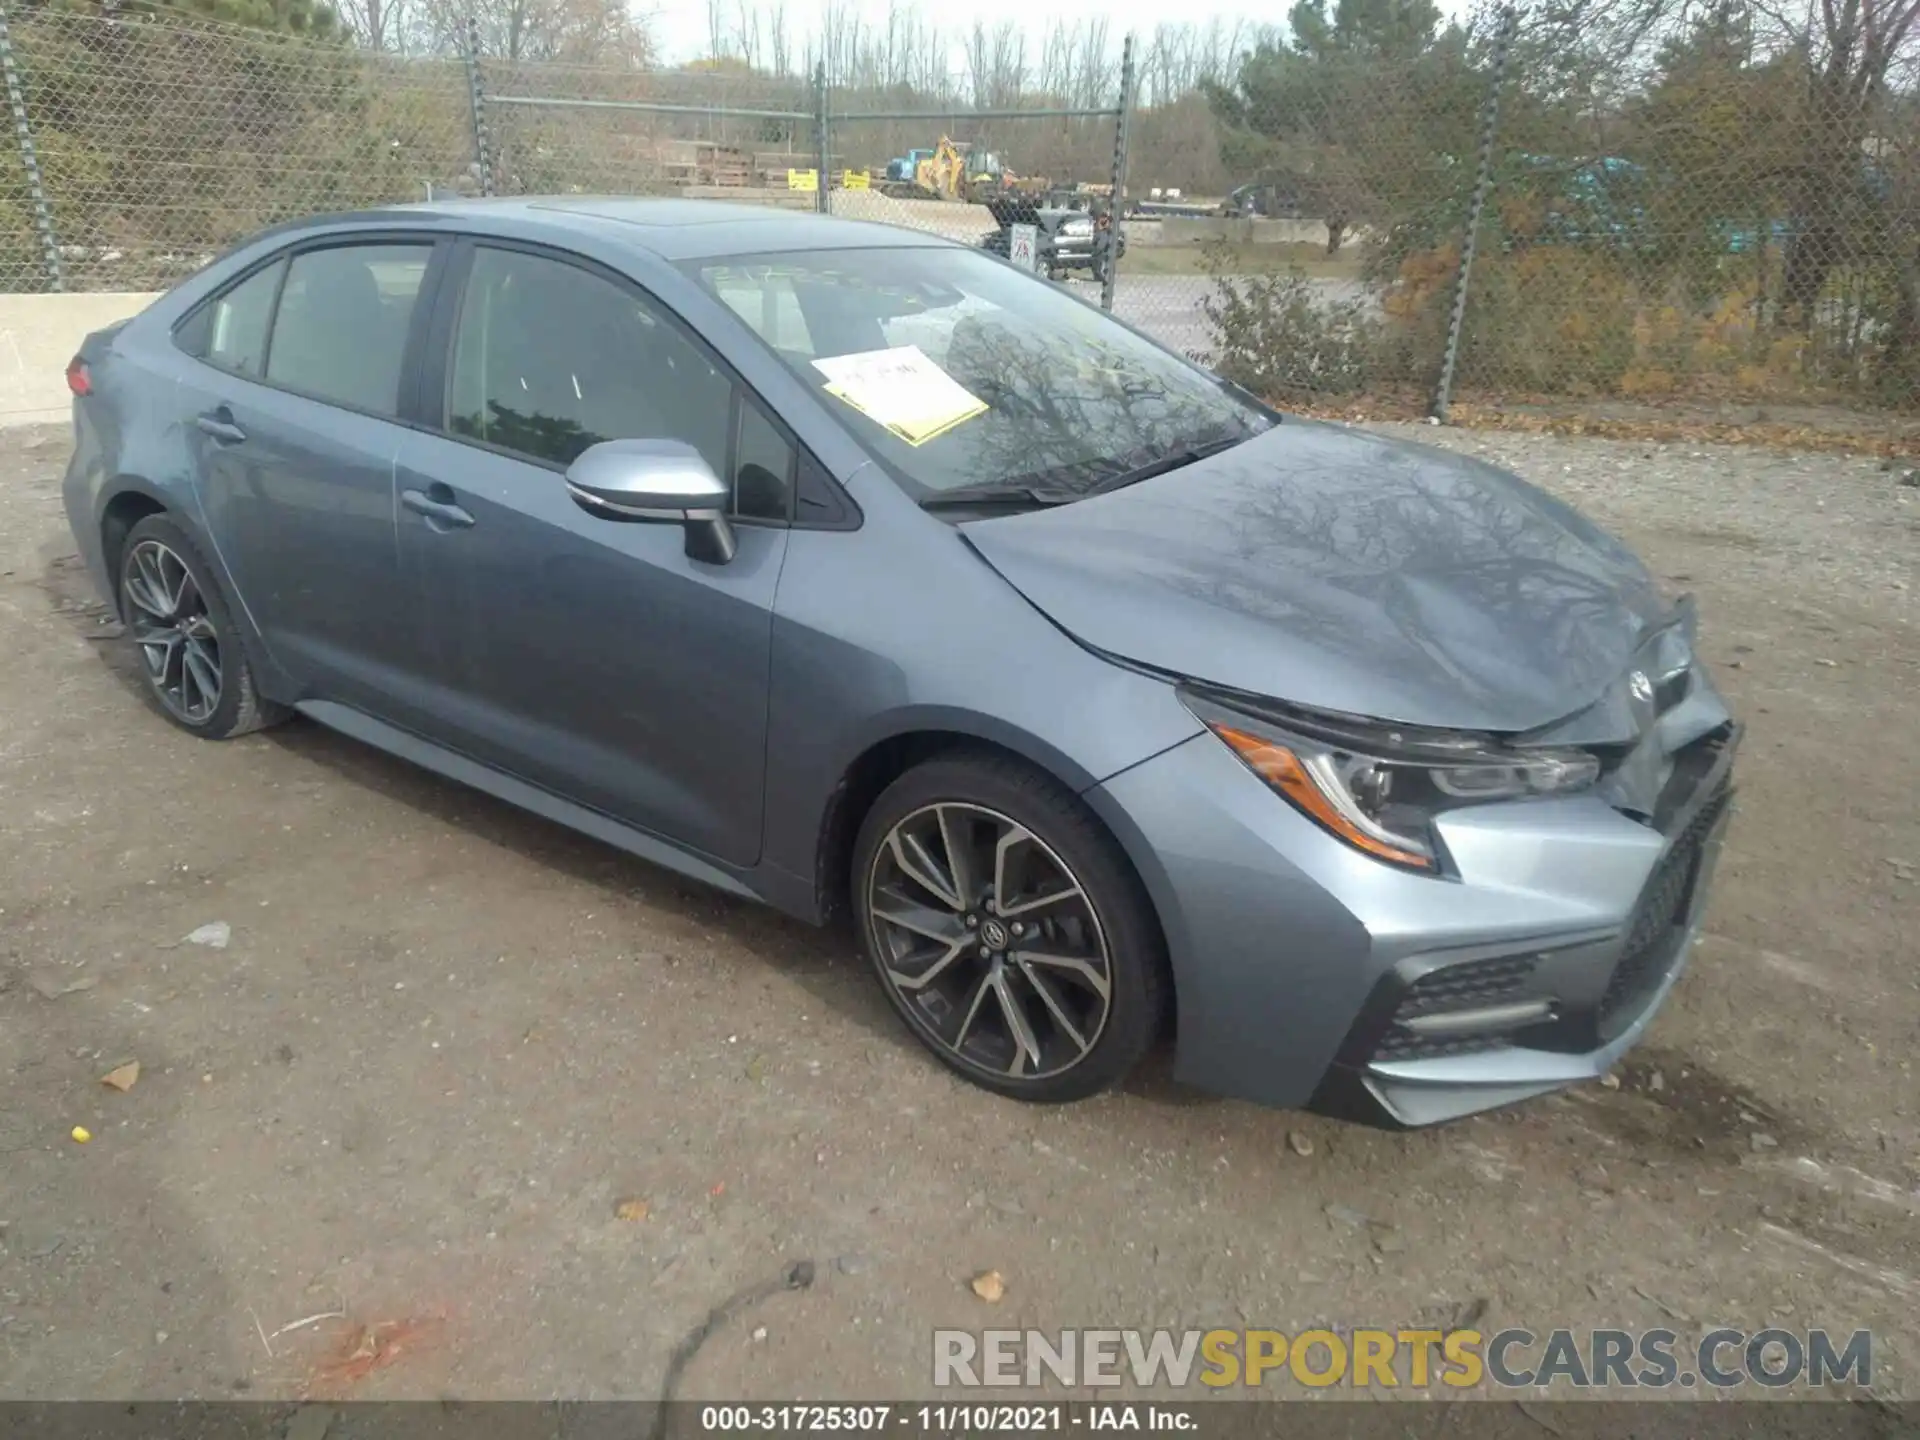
(665, 481)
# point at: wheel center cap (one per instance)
(994, 935)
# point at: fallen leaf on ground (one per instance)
(368, 1348)
(122, 1077)
(989, 1286)
(719, 1189)
(81, 1135)
(632, 1208)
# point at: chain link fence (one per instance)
(1698, 208)
(162, 139)
(1571, 202)
(944, 169)
(970, 176)
(573, 129)
(1033, 182)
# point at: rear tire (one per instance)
(184, 637)
(1008, 930)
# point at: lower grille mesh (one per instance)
(1471, 985)
(1648, 956)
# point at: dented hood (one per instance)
(1343, 571)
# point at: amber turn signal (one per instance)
(1283, 770)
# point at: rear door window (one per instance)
(341, 330)
(231, 332)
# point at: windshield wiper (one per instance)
(1172, 460)
(997, 494)
(1025, 492)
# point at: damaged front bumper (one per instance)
(1307, 973)
(1450, 1033)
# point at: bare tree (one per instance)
(378, 24)
(600, 32)
(746, 33)
(779, 60)
(1095, 66)
(1850, 46)
(996, 64)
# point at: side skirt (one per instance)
(500, 785)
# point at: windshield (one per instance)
(959, 371)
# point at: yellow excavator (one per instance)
(954, 171)
(946, 172)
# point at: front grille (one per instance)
(1649, 953)
(1471, 985)
(1671, 691)
(1693, 766)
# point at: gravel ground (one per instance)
(446, 1040)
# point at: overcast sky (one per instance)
(680, 28)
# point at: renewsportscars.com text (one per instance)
(1459, 1359)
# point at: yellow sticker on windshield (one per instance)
(901, 389)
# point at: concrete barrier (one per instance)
(1184, 230)
(38, 336)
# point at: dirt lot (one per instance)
(447, 1039)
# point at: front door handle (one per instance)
(442, 515)
(219, 424)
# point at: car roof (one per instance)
(672, 229)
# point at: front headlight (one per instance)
(1378, 787)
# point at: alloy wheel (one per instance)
(989, 941)
(168, 618)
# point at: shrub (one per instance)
(1281, 335)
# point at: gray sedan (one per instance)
(853, 571)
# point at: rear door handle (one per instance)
(219, 424)
(440, 514)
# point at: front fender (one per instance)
(972, 724)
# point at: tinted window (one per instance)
(551, 359)
(763, 468)
(232, 332)
(341, 331)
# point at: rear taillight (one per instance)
(79, 378)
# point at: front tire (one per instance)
(184, 636)
(1008, 930)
